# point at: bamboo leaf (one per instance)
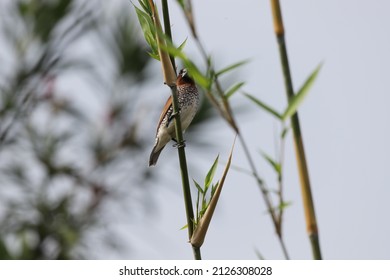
(231, 67)
(148, 30)
(205, 204)
(213, 188)
(210, 174)
(301, 94)
(200, 191)
(284, 205)
(195, 73)
(146, 6)
(155, 56)
(233, 89)
(264, 106)
(182, 45)
(275, 165)
(181, 3)
(198, 186)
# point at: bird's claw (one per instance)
(179, 144)
(173, 115)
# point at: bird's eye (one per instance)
(183, 72)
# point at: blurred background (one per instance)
(80, 99)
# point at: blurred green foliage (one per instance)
(59, 160)
(71, 125)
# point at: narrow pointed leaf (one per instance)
(156, 56)
(233, 89)
(213, 188)
(145, 5)
(210, 174)
(149, 31)
(197, 207)
(182, 45)
(301, 94)
(264, 106)
(284, 205)
(181, 3)
(195, 73)
(275, 165)
(231, 67)
(198, 186)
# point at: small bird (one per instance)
(188, 98)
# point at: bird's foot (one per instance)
(179, 144)
(173, 115)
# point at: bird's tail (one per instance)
(154, 156)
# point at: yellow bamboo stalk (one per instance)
(308, 204)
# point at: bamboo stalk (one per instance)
(308, 204)
(169, 73)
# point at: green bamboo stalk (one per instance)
(169, 75)
(308, 204)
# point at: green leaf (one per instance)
(198, 186)
(205, 204)
(231, 67)
(200, 191)
(184, 227)
(146, 6)
(181, 3)
(276, 166)
(195, 73)
(297, 99)
(233, 89)
(284, 205)
(182, 45)
(210, 174)
(156, 56)
(264, 106)
(213, 188)
(148, 30)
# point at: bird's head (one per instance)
(184, 78)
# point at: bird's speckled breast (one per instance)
(188, 97)
(189, 100)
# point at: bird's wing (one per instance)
(168, 104)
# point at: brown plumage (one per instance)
(188, 98)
